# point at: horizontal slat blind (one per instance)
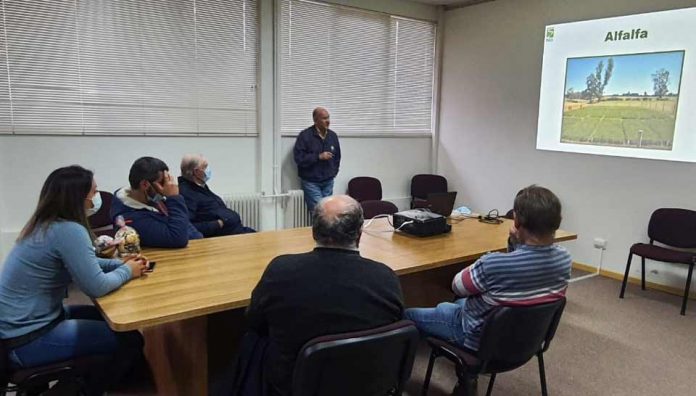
(129, 67)
(373, 71)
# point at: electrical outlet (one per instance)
(600, 243)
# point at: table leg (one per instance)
(178, 356)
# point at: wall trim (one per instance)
(634, 281)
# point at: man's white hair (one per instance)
(189, 163)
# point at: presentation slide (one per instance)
(622, 86)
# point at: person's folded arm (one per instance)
(169, 231)
(108, 265)
(207, 228)
(303, 153)
(77, 253)
(470, 281)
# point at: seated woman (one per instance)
(54, 249)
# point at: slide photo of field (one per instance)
(622, 100)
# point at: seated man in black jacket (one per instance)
(329, 290)
(207, 211)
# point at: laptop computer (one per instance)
(442, 203)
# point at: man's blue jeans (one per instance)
(315, 191)
(443, 321)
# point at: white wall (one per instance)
(26, 161)
(240, 164)
(490, 95)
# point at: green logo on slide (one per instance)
(550, 32)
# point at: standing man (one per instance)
(318, 157)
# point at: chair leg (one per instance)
(686, 290)
(490, 385)
(625, 279)
(542, 373)
(471, 385)
(642, 273)
(467, 385)
(429, 372)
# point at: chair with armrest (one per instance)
(422, 185)
(675, 228)
(510, 337)
(101, 222)
(365, 188)
(26, 381)
(367, 363)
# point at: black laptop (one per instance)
(442, 203)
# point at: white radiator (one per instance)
(248, 206)
(299, 215)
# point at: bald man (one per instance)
(329, 290)
(207, 212)
(318, 156)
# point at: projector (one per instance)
(421, 223)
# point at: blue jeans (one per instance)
(443, 321)
(83, 332)
(315, 191)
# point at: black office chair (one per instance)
(422, 185)
(509, 338)
(375, 208)
(27, 381)
(671, 227)
(366, 363)
(365, 188)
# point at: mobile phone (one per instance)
(151, 266)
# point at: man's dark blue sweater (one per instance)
(156, 229)
(308, 146)
(205, 209)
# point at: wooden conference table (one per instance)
(174, 305)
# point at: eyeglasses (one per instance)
(493, 217)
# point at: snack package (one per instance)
(106, 246)
(129, 238)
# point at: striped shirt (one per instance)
(528, 275)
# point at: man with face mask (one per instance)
(152, 205)
(207, 211)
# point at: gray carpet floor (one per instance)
(604, 346)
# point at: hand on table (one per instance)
(137, 263)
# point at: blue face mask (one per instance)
(156, 197)
(208, 174)
(96, 204)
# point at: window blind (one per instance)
(373, 71)
(128, 67)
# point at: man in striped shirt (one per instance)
(534, 271)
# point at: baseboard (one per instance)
(635, 281)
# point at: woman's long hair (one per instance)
(62, 198)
